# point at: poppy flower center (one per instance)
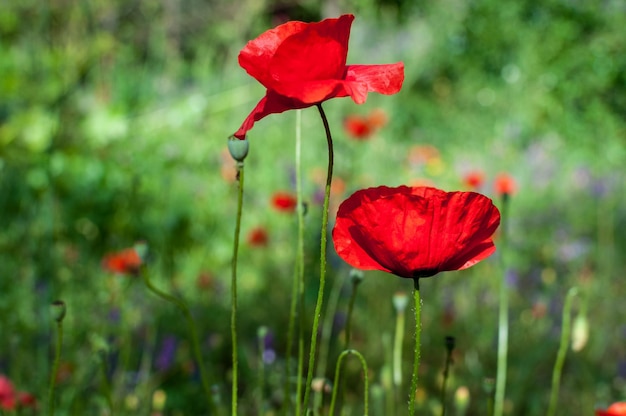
(424, 273)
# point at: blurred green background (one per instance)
(114, 117)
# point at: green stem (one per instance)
(331, 411)
(560, 358)
(106, 384)
(233, 291)
(416, 360)
(356, 278)
(261, 334)
(320, 293)
(446, 372)
(503, 318)
(195, 344)
(59, 311)
(298, 279)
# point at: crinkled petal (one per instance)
(384, 79)
(272, 103)
(256, 56)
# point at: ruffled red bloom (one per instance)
(303, 64)
(415, 232)
(284, 202)
(616, 409)
(258, 237)
(504, 184)
(7, 394)
(126, 261)
(474, 179)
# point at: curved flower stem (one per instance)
(356, 278)
(195, 344)
(59, 312)
(320, 293)
(331, 410)
(446, 372)
(560, 358)
(297, 292)
(233, 290)
(416, 360)
(503, 318)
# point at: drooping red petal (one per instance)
(272, 103)
(384, 79)
(126, 261)
(415, 232)
(255, 57)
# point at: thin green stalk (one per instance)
(195, 344)
(418, 330)
(356, 277)
(560, 358)
(331, 411)
(58, 313)
(503, 318)
(446, 372)
(320, 293)
(106, 384)
(297, 292)
(233, 291)
(261, 334)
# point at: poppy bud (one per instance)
(356, 276)
(58, 310)
(400, 301)
(450, 343)
(580, 332)
(238, 148)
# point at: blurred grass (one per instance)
(113, 124)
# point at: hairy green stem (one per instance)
(503, 318)
(331, 410)
(195, 344)
(297, 291)
(560, 358)
(58, 308)
(416, 359)
(320, 293)
(233, 291)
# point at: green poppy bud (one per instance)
(57, 310)
(238, 148)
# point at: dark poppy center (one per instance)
(424, 273)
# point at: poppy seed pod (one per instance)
(58, 309)
(238, 148)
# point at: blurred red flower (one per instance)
(504, 184)
(284, 202)
(474, 179)
(357, 127)
(415, 232)
(258, 237)
(126, 261)
(26, 399)
(303, 64)
(7, 394)
(616, 409)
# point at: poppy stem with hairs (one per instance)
(331, 410)
(233, 290)
(416, 360)
(503, 316)
(58, 310)
(323, 240)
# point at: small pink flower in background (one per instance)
(284, 202)
(258, 237)
(474, 179)
(505, 184)
(616, 409)
(7, 394)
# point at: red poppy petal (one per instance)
(255, 57)
(383, 79)
(272, 103)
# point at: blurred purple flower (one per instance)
(512, 278)
(167, 353)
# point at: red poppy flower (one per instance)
(616, 409)
(302, 64)
(474, 179)
(7, 394)
(505, 184)
(126, 261)
(258, 237)
(284, 202)
(415, 232)
(26, 399)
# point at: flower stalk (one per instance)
(338, 367)
(323, 241)
(416, 359)
(58, 310)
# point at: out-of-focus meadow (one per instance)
(114, 118)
